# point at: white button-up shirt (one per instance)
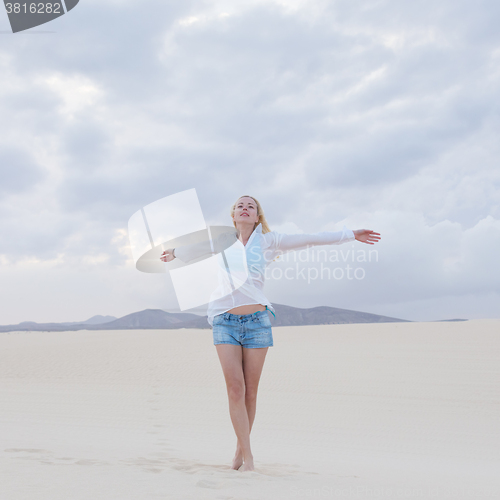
(242, 275)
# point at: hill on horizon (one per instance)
(159, 319)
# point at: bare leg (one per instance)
(253, 362)
(231, 359)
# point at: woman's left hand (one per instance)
(366, 236)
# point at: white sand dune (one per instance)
(390, 411)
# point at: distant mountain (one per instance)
(94, 320)
(155, 318)
(324, 315)
(158, 319)
(456, 319)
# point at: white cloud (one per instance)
(77, 93)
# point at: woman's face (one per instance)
(245, 211)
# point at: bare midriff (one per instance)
(247, 309)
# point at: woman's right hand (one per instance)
(168, 255)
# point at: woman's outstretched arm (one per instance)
(187, 253)
(203, 248)
(286, 242)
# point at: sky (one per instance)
(381, 115)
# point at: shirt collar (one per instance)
(258, 229)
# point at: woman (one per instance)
(241, 326)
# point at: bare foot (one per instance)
(247, 466)
(237, 460)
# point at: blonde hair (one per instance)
(260, 212)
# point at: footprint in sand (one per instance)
(86, 461)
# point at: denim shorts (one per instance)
(249, 330)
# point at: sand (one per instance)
(391, 411)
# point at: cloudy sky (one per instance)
(373, 114)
